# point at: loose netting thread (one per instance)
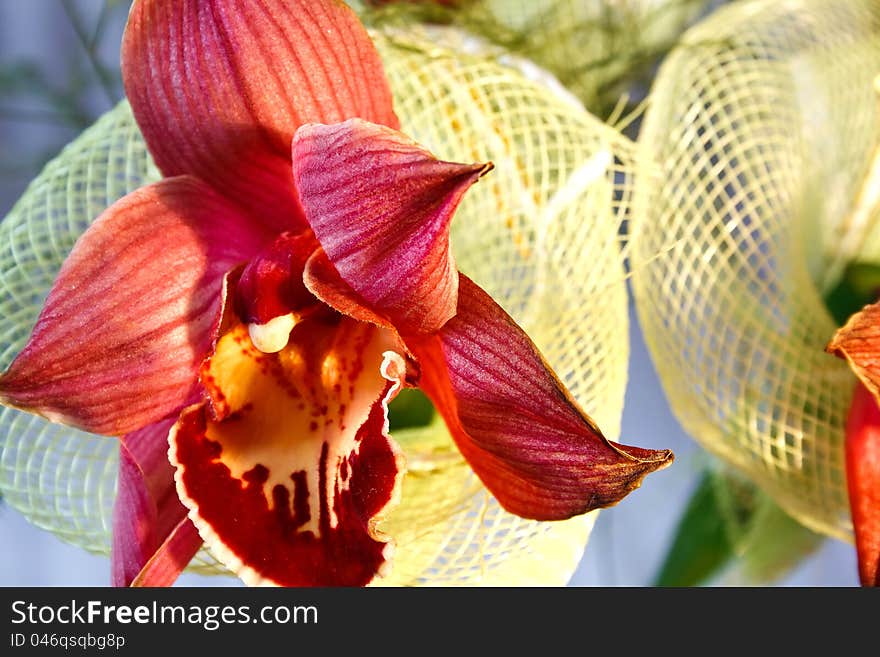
(761, 129)
(540, 233)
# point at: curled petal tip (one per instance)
(660, 458)
(644, 462)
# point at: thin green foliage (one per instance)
(90, 85)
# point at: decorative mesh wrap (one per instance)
(594, 47)
(540, 233)
(763, 125)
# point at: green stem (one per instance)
(100, 25)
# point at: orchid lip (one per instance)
(289, 483)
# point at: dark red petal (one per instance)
(514, 421)
(290, 468)
(153, 540)
(380, 205)
(133, 312)
(218, 88)
(863, 481)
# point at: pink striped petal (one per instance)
(218, 87)
(289, 470)
(380, 205)
(322, 280)
(153, 540)
(175, 553)
(514, 421)
(133, 312)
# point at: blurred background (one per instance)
(59, 72)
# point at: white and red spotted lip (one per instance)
(289, 476)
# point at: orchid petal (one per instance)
(858, 341)
(515, 423)
(170, 559)
(288, 469)
(218, 88)
(323, 280)
(863, 481)
(153, 540)
(380, 205)
(133, 311)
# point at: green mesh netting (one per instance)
(540, 233)
(762, 126)
(596, 48)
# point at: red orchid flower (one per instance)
(243, 323)
(858, 341)
(862, 448)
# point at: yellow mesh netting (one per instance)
(762, 127)
(594, 47)
(540, 233)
